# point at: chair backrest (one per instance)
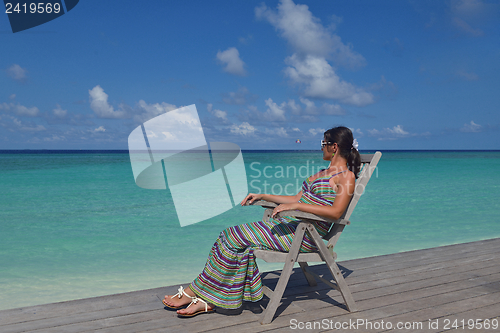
(368, 166)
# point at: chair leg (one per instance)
(343, 287)
(309, 277)
(334, 269)
(268, 314)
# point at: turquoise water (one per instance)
(75, 225)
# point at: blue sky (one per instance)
(401, 74)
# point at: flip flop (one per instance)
(194, 301)
(179, 294)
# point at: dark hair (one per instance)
(344, 139)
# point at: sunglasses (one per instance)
(324, 143)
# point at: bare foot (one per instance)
(197, 305)
(183, 297)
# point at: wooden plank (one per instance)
(456, 281)
(383, 306)
(392, 266)
(405, 304)
(454, 314)
(492, 245)
(405, 263)
(86, 317)
(375, 302)
(408, 261)
(83, 305)
(405, 276)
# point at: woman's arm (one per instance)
(279, 199)
(345, 190)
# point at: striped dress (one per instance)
(231, 275)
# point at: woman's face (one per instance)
(327, 151)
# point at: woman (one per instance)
(231, 275)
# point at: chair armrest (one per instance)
(263, 203)
(311, 217)
(298, 213)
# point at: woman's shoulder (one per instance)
(342, 177)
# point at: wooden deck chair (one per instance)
(325, 251)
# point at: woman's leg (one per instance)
(231, 275)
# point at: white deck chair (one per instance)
(325, 251)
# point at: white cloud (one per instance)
(13, 96)
(307, 35)
(59, 112)
(243, 129)
(217, 113)
(169, 136)
(20, 110)
(358, 132)
(147, 111)
(321, 81)
(274, 112)
(392, 133)
(99, 129)
(55, 138)
(294, 107)
(245, 40)
(99, 104)
(274, 132)
(230, 58)
(17, 73)
(178, 129)
(398, 130)
(472, 127)
(220, 114)
(316, 131)
(28, 128)
(325, 108)
(468, 76)
(474, 10)
(333, 109)
(280, 132)
(305, 112)
(240, 97)
(310, 106)
(465, 14)
(313, 44)
(465, 27)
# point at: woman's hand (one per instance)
(250, 198)
(283, 207)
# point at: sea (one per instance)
(74, 224)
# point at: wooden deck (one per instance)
(431, 287)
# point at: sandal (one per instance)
(194, 301)
(179, 294)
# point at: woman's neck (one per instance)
(338, 163)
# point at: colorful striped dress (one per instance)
(231, 275)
